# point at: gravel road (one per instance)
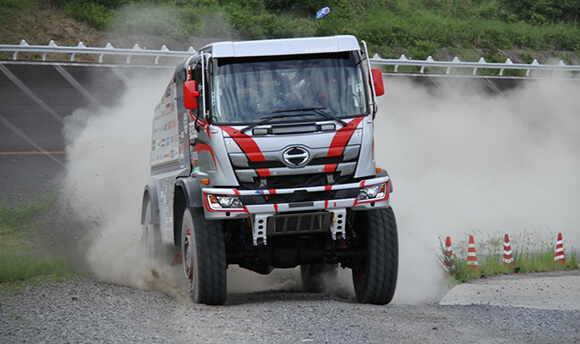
(88, 311)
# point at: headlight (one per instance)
(218, 202)
(378, 191)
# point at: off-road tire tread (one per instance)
(211, 271)
(382, 258)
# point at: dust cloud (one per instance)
(461, 161)
(466, 162)
(108, 155)
(106, 170)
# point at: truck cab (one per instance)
(263, 156)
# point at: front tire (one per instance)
(204, 258)
(375, 280)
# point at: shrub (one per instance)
(542, 12)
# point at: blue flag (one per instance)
(322, 12)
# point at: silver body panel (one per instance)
(291, 46)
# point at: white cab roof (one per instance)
(286, 46)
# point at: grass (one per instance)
(532, 252)
(23, 261)
(469, 29)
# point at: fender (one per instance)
(191, 191)
(187, 195)
(150, 194)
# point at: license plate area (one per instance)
(299, 223)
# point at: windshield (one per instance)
(247, 90)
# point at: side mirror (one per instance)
(378, 81)
(190, 94)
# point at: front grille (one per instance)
(299, 196)
(299, 223)
(276, 163)
(298, 180)
(318, 171)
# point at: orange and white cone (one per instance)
(449, 260)
(508, 257)
(559, 252)
(471, 255)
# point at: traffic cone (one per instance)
(508, 257)
(448, 259)
(559, 252)
(471, 255)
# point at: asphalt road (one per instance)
(35, 100)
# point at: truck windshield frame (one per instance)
(245, 90)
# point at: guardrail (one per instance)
(456, 63)
(428, 66)
(81, 49)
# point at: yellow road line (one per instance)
(34, 153)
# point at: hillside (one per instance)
(522, 30)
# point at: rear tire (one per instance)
(204, 258)
(151, 237)
(375, 280)
(317, 278)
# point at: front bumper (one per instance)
(316, 198)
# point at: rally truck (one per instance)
(263, 156)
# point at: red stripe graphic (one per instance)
(329, 168)
(246, 143)
(342, 137)
(199, 147)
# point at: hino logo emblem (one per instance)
(295, 156)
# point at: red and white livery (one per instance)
(263, 156)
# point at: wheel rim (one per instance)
(187, 256)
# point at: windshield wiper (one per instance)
(317, 110)
(267, 119)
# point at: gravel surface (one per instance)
(88, 311)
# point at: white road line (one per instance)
(78, 86)
(120, 75)
(29, 92)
